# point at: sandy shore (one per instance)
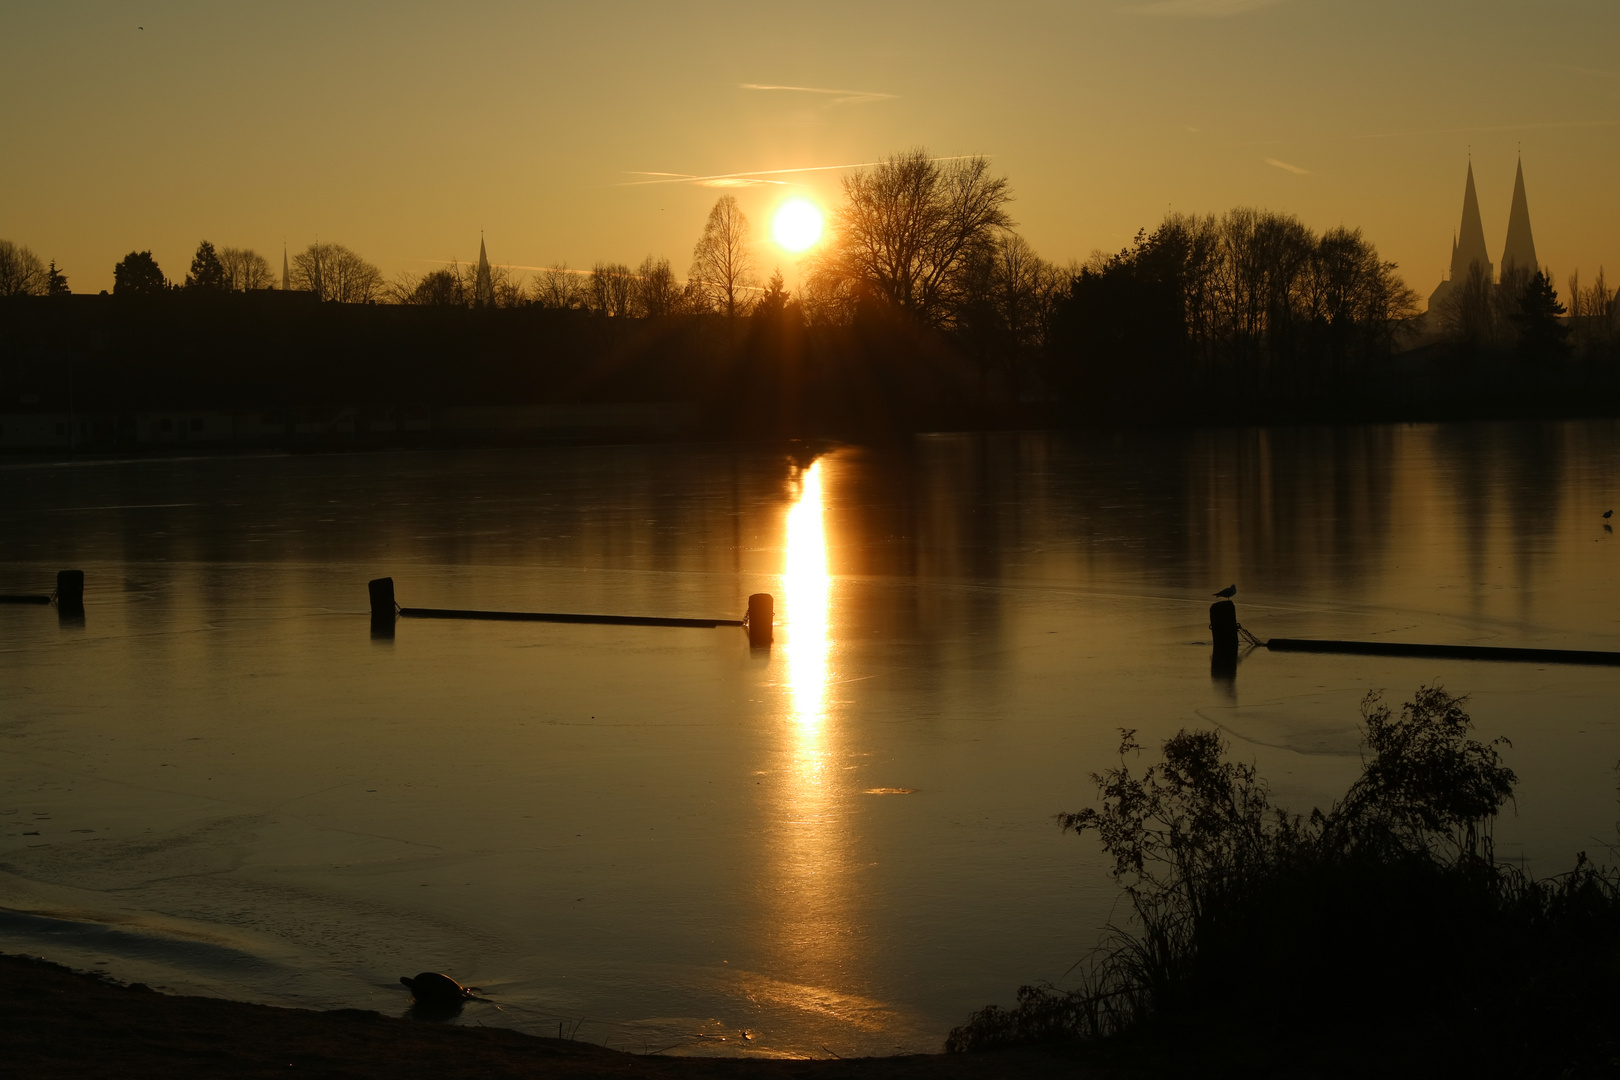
(58, 1023)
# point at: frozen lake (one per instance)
(220, 782)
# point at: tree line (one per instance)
(923, 256)
(22, 273)
(1247, 302)
(1522, 315)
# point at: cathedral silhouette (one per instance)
(1468, 243)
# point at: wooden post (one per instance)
(382, 598)
(382, 608)
(1223, 623)
(761, 616)
(70, 588)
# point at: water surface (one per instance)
(219, 781)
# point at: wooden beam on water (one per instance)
(547, 616)
(1448, 652)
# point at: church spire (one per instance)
(1521, 246)
(284, 275)
(483, 287)
(1470, 247)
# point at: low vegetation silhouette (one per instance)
(1381, 930)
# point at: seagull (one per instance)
(1228, 592)
(1607, 514)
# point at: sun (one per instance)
(797, 225)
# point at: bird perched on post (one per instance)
(1228, 592)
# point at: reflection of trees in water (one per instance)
(1311, 506)
(642, 507)
(1306, 509)
(1522, 467)
(1167, 510)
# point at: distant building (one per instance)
(483, 285)
(1521, 246)
(1468, 243)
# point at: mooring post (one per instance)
(382, 607)
(382, 597)
(761, 616)
(70, 588)
(1224, 625)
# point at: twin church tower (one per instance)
(1468, 245)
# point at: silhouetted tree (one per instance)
(246, 269)
(1248, 302)
(723, 261)
(611, 286)
(207, 272)
(655, 292)
(457, 285)
(1594, 315)
(21, 272)
(56, 282)
(1542, 338)
(1262, 261)
(336, 274)
(1009, 295)
(507, 289)
(1468, 313)
(1506, 299)
(1352, 302)
(445, 287)
(909, 229)
(137, 274)
(557, 288)
(774, 300)
(1123, 330)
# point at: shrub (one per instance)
(1384, 917)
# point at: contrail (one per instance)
(1295, 169)
(748, 177)
(845, 97)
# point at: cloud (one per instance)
(1295, 169)
(747, 179)
(1203, 9)
(839, 97)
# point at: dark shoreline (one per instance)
(63, 1023)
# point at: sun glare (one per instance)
(797, 225)
(807, 588)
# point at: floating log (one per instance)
(69, 592)
(550, 616)
(1447, 652)
(384, 609)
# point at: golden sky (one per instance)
(402, 129)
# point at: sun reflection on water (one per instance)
(806, 585)
(814, 933)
